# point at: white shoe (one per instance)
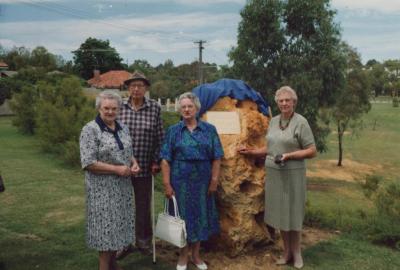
(201, 266)
(181, 267)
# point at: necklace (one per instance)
(283, 127)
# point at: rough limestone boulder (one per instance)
(240, 195)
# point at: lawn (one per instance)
(42, 210)
(376, 143)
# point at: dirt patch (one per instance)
(260, 259)
(349, 171)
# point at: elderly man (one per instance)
(143, 117)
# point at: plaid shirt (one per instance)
(146, 128)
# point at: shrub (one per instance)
(61, 113)
(8, 86)
(71, 153)
(371, 185)
(23, 105)
(170, 118)
(384, 226)
(395, 102)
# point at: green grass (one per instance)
(338, 205)
(345, 253)
(376, 143)
(341, 205)
(42, 210)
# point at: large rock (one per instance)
(240, 195)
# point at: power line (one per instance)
(81, 14)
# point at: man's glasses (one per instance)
(140, 86)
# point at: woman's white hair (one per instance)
(286, 89)
(108, 94)
(190, 96)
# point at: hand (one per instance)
(155, 168)
(168, 191)
(135, 169)
(285, 157)
(122, 170)
(212, 188)
(244, 150)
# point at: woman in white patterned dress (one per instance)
(107, 158)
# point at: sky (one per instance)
(158, 30)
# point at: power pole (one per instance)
(200, 42)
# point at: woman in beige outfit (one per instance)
(289, 142)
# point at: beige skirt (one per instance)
(285, 197)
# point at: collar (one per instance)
(104, 127)
(146, 103)
(200, 125)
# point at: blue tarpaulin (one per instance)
(209, 93)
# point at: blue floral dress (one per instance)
(190, 155)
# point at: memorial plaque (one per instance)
(225, 122)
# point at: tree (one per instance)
(17, 58)
(353, 100)
(40, 57)
(371, 62)
(394, 67)
(8, 86)
(142, 66)
(96, 54)
(293, 42)
(378, 77)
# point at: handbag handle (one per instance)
(166, 206)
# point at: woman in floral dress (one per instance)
(107, 158)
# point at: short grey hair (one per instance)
(108, 94)
(286, 89)
(192, 97)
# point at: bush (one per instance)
(169, 119)
(61, 113)
(371, 185)
(8, 86)
(55, 111)
(395, 102)
(71, 153)
(384, 226)
(23, 105)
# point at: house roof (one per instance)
(3, 65)
(113, 79)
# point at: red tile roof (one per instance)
(113, 79)
(3, 65)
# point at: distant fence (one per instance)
(168, 106)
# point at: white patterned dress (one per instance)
(109, 197)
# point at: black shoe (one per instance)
(146, 251)
(124, 252)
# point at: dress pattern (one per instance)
(109, 198)
(285, 186)
(190, 155)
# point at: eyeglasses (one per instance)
(109, 109)
(140, 86)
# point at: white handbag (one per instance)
(171, 228)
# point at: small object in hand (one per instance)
(278, 160)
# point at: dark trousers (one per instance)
(143, 227)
